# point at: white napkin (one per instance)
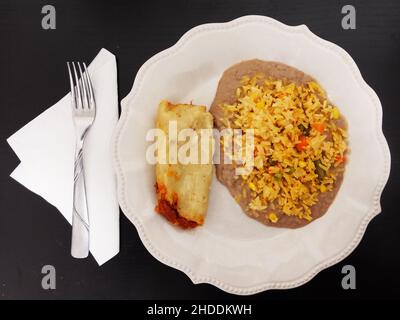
(46, 145)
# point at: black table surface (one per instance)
(32, 78)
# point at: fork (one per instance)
(83, 114)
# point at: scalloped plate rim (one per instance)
(308, 275)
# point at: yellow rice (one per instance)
(282, 114)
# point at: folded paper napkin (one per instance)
(46, 148)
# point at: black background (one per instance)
(33, 77)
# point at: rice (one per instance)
(298, 142)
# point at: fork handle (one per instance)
(80, 217)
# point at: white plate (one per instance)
(232, 251)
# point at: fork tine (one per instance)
(71, 82)
(78, 89)
(83, 81)
(91, 95)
